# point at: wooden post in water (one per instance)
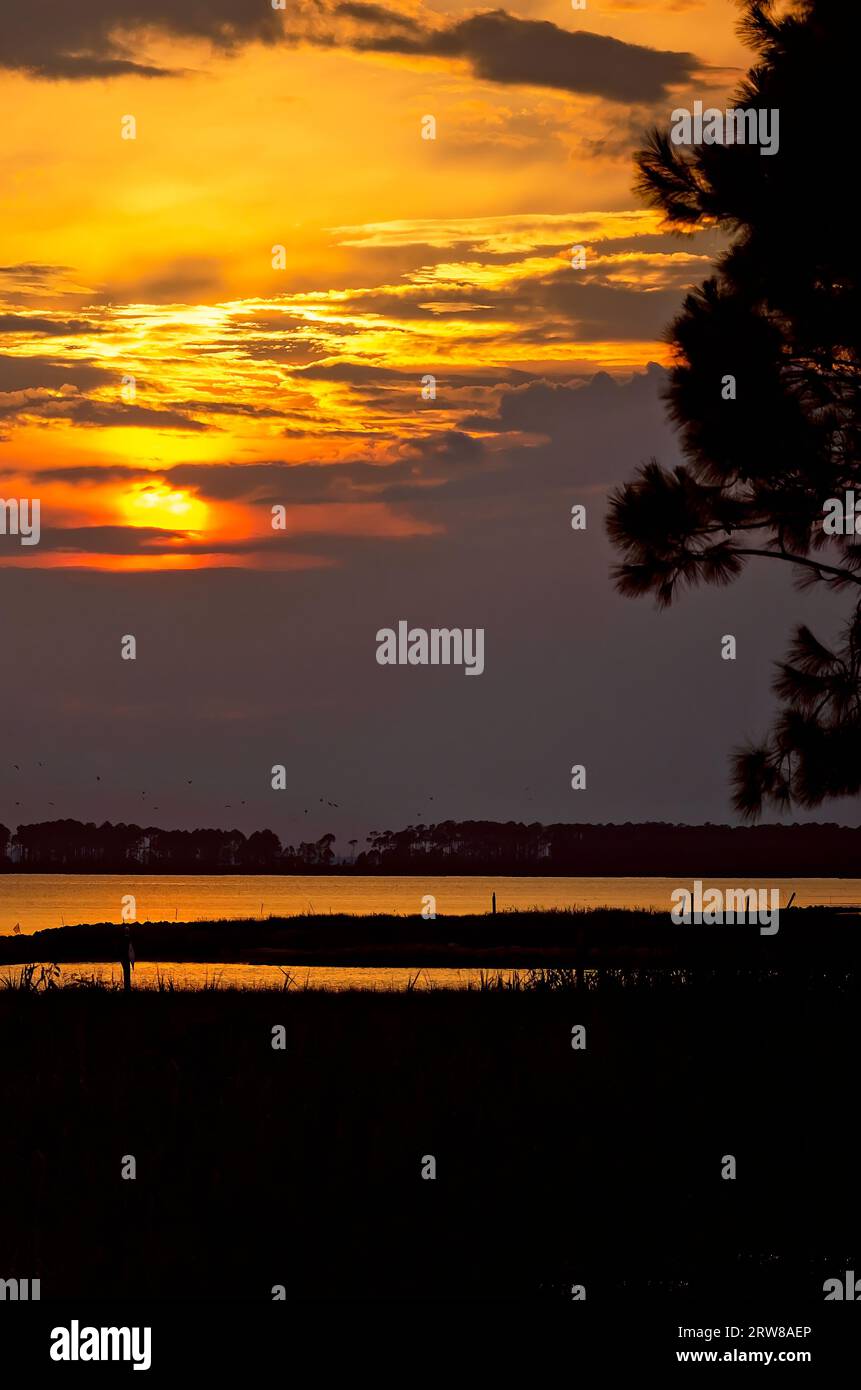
(128, 960)
(493, 900)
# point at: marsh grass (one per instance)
(555, 1166)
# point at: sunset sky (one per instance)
(152, 258)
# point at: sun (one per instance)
(156, 504)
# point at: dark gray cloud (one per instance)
(134, 540)
(292, 432)
(502, 48)
(31, 272)
(430, 459)
(443, 448)
(92, 39)
(52, 328)
(80, 39)
(106, 414)
(234, 482)
(257, 412)
(599, 308)
(302, 484)
(374, 14)
(589, 428)
(562, 409)
(366, 374)
(98, 540)
(177, 281)
(351, 373)
(94, 473)
(30, 373)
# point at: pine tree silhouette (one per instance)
(781, 315)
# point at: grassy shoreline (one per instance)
(596, 939)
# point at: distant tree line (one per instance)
(470, 847)
(72, 846)
(636, 850)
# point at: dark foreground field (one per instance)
(555, 1166)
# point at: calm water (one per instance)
(37, 901)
